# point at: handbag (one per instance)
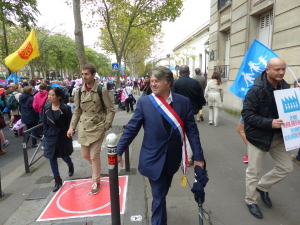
(2, 121)
(18, 125)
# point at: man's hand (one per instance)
(199, 163)
(276, 123)
(70, 133)
(120, 161)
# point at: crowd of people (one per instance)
(167, 109)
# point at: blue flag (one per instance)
(55, 85)
(254, 63)
(14, 78)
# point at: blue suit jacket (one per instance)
(158, 147)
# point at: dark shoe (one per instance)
(58, 183)
(202, 119)
(265, 197)
(16, 134)
(71, 170)
(254, 210)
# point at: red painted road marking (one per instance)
(74, 199)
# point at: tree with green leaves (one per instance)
(118, 17)
(17, 12)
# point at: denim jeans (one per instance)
(298, 155)
(54, 164)
(34, 133)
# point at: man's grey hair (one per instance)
(163, 73)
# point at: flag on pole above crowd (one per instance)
(28, 51)
(254, 63)
(14, 78)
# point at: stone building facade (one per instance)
(234, 24)
(192, 51)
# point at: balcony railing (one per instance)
(222, 3)
(223, 70)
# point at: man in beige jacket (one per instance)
(92, 119)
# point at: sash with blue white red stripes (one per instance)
(171, 116)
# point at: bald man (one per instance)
(263, 132)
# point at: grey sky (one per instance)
(56, 12)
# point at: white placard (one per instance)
(288, 106)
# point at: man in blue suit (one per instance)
(161, 151)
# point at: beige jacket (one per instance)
(214, 93)
(89, 114)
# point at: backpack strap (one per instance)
(99, 90)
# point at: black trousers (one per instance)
(128, 103)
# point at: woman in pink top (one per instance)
(40, 99)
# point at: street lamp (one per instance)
(206, 46)
(168, 56)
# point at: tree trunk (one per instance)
(5, 42)
(31, 70)
(79, 33)
(118, 73)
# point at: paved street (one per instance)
(225, 190)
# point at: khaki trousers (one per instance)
(283, 166)
(200, 113)
(92, 154)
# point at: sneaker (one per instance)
(295, 160)
(216, 125)
(2, 152)
(6, 143)
(245, 159)
(210, 123)
(95, 188)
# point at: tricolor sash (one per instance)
(171, 116)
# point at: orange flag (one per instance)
(28, 51)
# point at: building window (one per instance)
(265, 28)
(222, 3)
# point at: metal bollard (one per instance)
(126, 155)
(25, 154)
(1, 193)
(111, 140)
(127, 161)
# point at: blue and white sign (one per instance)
(115, 66)
(288, 106)
(254, 62)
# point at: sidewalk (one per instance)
(225, 192)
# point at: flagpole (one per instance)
(293, 74)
